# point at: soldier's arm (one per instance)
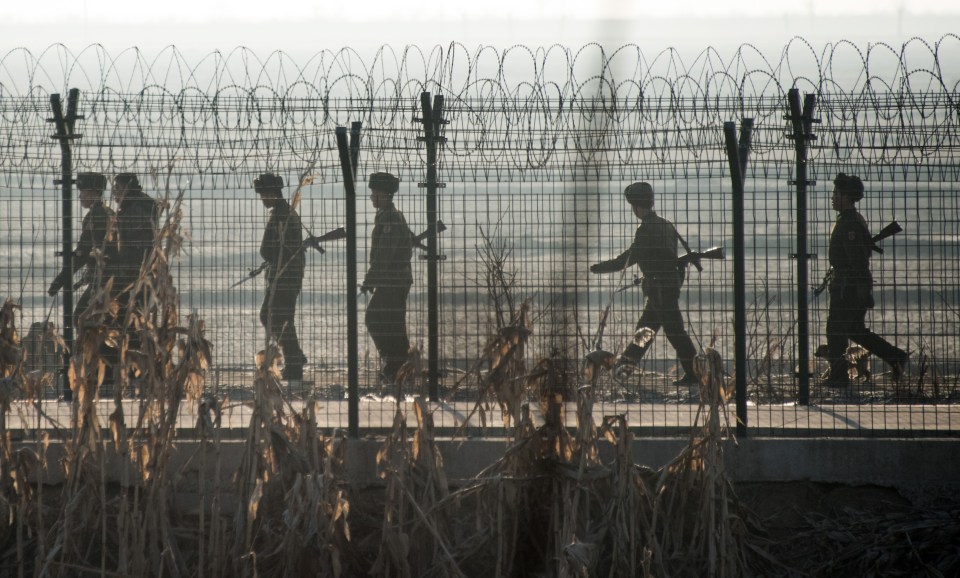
(623, 260)
(81, 254)
(58, 283)
(618, 263)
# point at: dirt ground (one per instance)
(816, 529)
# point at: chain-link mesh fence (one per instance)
(538, 150)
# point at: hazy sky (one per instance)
(306, 26)
(120, 11)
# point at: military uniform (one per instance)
(282, 249)
(390, 277)
(98, 231)
(138, 221)
(654, 250)
(851, 295)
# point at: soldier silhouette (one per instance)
(282, 249)
(654, 250)
(851, 287)
(388, 277)
(98, 232)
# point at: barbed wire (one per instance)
(558, 112)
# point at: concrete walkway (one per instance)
(377, 415)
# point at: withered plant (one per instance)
(293, 509)
(698, 525)
(500, 371)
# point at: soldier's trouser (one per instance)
(125, 282)
(278, 314)
(110, 355)
(82, 303)
(386, 321)
(662, 310)
(845, 321)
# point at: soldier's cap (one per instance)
(639, 194)
(127, 181)
(384, 182)
(849, 185)
(268, 182)
(91, 182)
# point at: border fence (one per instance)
(523, 154)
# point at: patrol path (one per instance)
(377, 414)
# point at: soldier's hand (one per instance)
(595, 268)
(54, 287)
(365, 289)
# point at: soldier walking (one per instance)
(654, 249)
(138, 223)
(851, 287)
(282, 249)
(138, 217)
(389, 277)
(98, 232)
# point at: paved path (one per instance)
(376, 415)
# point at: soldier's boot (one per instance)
(839, 374)
(629, 361)
(898, 364)
(292, 372)
(391, 365)
(689, 377)
(293, 366)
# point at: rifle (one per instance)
(694, 257)
(690, 258)
(311, 241)
(888, 231)
(314, 241)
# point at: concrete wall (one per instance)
(900, 463)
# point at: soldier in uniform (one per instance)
(851, 286)
(138, 217)
(97, 232)
(654, 249)
(138, 223)
(389, 277)
(282, 249)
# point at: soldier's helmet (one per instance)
(384, 182)
(91, 182)
(639, 194)
(850, 185)
(267, 182)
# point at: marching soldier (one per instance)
(654, 249)
(282, 249)
(138, 217)
(138, 222)
(97, 232)
(389, 277)
(851, 286)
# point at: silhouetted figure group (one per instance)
(113, 246)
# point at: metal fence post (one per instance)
(737, 153)
(353, 337)
(64, 125)
(433, 122)
(802, 122)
